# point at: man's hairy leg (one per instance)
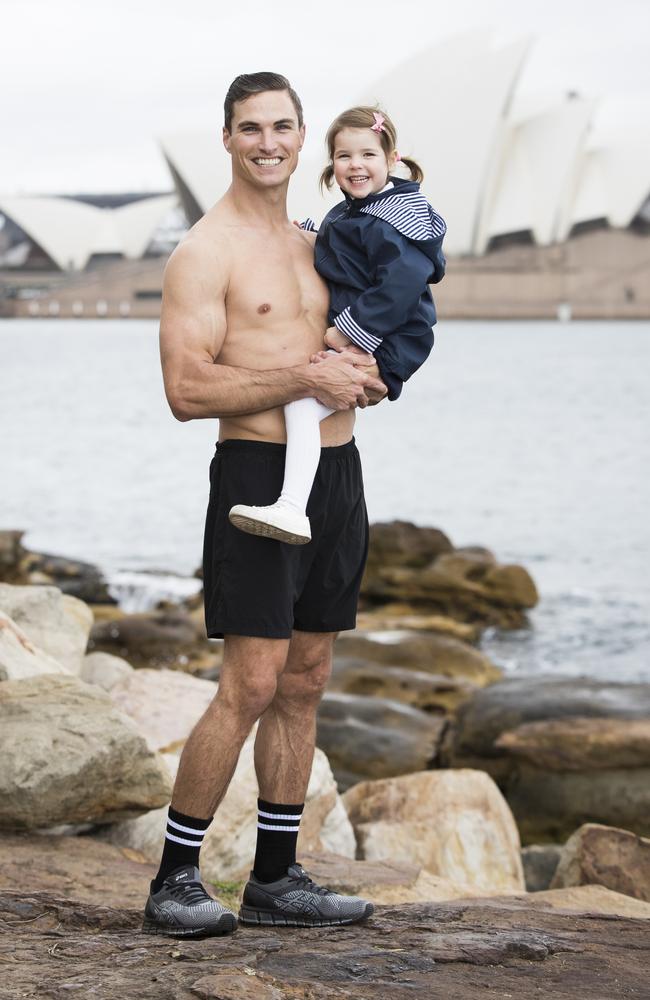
(248, 682)
(286, 736)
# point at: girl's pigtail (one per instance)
(326, 178)
(414, 168)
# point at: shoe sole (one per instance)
(227, 925)
(252, 527)
(269, 918)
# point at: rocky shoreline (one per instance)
(437, 780)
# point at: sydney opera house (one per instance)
(547, 200)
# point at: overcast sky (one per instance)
(87, 87)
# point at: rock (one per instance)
(430, 692)
(55, 622)
(577, 744)
(164, 705)
(20, 658)
(464, 948)
(603, 855)
(398, 616)
(336, 834)
(466, 584)
(80, 868)
(375, 737)
(78, 579)
(589, 899)
(384, 882)
(68, 756)
(540, 862)
(401, 543)
(12, 554)
(574, 780)
(236, 984)
(104, 670)
(154, 639)
(434, 654)
(455, 824)
(229, 846)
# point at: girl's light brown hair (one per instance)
(364, 117)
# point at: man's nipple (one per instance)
(264, 308)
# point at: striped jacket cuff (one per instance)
(347, 325)
(309, 225)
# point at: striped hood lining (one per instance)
(410, 214)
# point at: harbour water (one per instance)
(530, 438)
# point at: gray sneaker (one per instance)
(182, 908)
(296, 901)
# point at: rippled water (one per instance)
(530, 438)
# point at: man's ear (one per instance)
(225, 135)
(302, 130)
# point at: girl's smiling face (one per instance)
(360, 164)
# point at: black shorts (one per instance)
(259, 586)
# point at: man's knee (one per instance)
(249, 677)
(308, 668)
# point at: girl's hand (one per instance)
(334, 338)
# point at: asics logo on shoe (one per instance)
(179, 877)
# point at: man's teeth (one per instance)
(268, 161)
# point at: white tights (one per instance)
(303, 419)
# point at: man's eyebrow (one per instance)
(280, 121)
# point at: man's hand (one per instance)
(340, 385)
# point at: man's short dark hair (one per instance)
(247, 84)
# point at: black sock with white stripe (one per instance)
(277, 833)
(183, 841)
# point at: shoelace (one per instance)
(189, 893)
(304, 882)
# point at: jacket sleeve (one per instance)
(401, 273)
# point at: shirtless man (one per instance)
(243, 312)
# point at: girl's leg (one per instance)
(302, 420)
(286, 519)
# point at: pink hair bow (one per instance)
(379, 122)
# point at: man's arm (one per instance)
(192, 333)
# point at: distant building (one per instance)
(547, 201)
(69, 233)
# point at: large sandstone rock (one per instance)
(455, 824)
(375, 737)
(19, 657)
(384, 882)
(164, 705)
(607, 856)
(401, 543)
(57, 623)
(467, 584)
(429, 692)
(565, 751)
(397, 615)
(68, 756)
(154, 639)
(229, 846)
(428, 652)
(104, 670)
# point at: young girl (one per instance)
(378, 251)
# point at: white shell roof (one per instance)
(494, 162)
(70, 231)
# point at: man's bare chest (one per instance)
(275, 282)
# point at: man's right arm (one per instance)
(192, 332)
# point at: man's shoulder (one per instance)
(204, 248)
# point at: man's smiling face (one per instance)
(265, 139)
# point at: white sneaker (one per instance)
(275, 521)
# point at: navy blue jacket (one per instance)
(378, 255)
